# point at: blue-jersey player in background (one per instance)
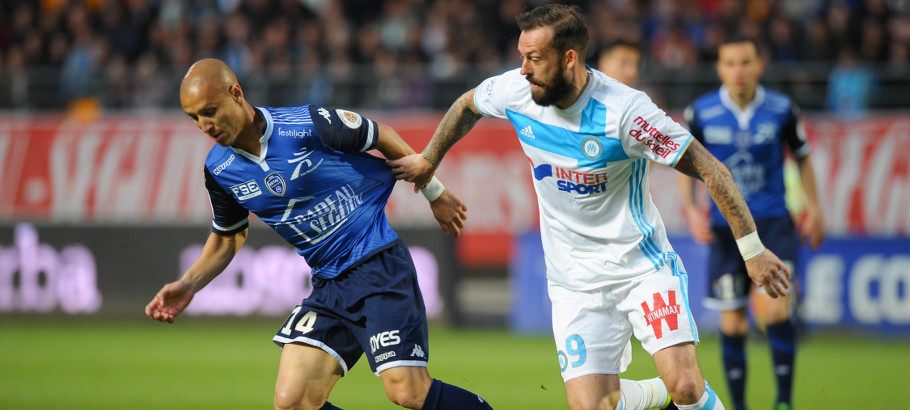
(305, 172)
(749, 128)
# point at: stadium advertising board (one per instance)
(116, 270)
(148, 169)
(849, 283)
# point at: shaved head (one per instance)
(207, 73)
(211, 95)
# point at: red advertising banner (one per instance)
(147, 169)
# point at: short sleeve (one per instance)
(692, 123)
(228, 216)
(343, 130)
(648, 132)
(492, 95)
(793, 133)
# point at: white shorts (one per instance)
(593, 328)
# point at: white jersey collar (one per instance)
(263, 140)
(743, 115)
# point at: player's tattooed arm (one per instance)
(698, 163)
(458, 121)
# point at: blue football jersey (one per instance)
(751, 143)
(313, 183)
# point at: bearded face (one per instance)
(549, 91)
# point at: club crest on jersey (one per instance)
(275, 183)
(350, 119)
(592, 148)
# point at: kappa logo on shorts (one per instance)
(662, 311)
(417, 352)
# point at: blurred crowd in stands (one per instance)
(396, 54)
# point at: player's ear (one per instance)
(571, 58)
(236, 92)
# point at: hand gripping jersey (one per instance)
(750, 142)
(589, 166)
(312, 182)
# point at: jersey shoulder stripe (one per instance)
(291, 115)
(571, 144)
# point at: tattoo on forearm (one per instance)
(698, 163)
(457, 122)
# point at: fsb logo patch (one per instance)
(246, 190)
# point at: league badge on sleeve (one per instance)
(275, 183)
(351, 119)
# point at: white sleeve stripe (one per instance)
(232, 227)
(370, 137)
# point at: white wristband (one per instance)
(750, 246)
(433, 190)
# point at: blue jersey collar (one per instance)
(743, 116)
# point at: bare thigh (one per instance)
(306, 376)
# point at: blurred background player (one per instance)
(611, 271)
(305, 172)
(621, 60)
(749, 128)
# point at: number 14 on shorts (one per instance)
(304, 324)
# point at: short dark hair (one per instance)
(619, 42)
(740, 38)
(568, 23)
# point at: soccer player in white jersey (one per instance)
(305, 172)
(611, 271)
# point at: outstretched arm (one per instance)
(449, 210)
(763, 266)
(174, 297)
(458, 121)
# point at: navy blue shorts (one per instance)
(374, 308)
(729, 285)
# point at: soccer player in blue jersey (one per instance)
(749, 128)
(305, 172)
(611, 272)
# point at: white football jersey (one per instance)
(590, 170)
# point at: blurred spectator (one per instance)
(851, 86)
(436, 45)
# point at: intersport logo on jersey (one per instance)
(573, 181)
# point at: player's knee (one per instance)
(295, 399)
(405, 394)
(285, 401)
(685, 390)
